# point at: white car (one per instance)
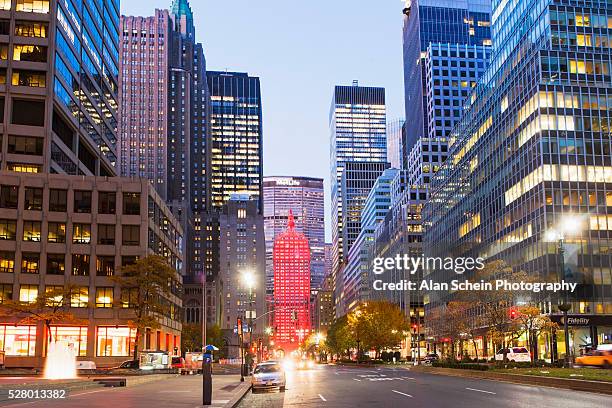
(514, 354)
(269, 374)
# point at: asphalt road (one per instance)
(333, 386)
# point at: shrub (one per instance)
(461, 366)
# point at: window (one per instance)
(107, 202)
(31, 53)
(33, 199)
(9, 197)
(75, 336)
(35, 79)
(115, 341)
(5, 4)
(8, 230)
(57, 233)
(79, 297)
(31, 231)
(24, 168)
(18, 340)
(6, 292)
(106, 234)
(31, 29)
(33, 6)
(129, 297)
(81, 234)
(80, 265)
(58, 200)
(56, 264)
(128, 260)
(7, 262)
(54, 296)
(30, 262)
(28, 112)
(131, 235)
(82, 202)
(28, 293)
(104, 297)
(131, 203)
(25, 145)
(105, 266)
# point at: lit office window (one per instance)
(79, 297)
(33, 6)
(28, 293)
(104, 297)
(7, 262)
(18, 340)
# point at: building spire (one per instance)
(291, 220)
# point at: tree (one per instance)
(378, 325)
(191, 337)
(145, 286)
(49, 307)
(339, 337)
(531, 318)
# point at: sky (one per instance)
(300, 50)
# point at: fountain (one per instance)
(61, 361)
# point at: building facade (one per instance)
(57, 231)
(292, 322)
(59, 104)
(356, 275)
(242, 252)
(465, 22)
(395, 141)
(304, 196)
(531, 150)
(358, 135)
(236, 136)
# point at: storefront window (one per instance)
(75, 336)
(115, 341)
(18, 340)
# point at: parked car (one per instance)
(85, 365)
(269, 374)
(597, 358)
(514, 354)
(430, 358)
(129, 365)
(177, 362)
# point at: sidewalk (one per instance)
(228, 390)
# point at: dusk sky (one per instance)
(300, 50)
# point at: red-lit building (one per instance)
(291, 288)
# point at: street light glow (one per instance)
(570, 224)
(248, 278)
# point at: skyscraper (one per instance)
(358, 135)
(242, 252)
(60, 109)
(236, 136)
(355, 286)
(305, 197)
(164, 115)
(427, 22)
(292, 322)
(532, 149)
(395, 141)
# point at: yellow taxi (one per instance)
(599, 358)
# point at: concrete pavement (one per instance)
(345, 387)
(175, 392)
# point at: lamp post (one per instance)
(206, 364)
(248, 278)
(568, 224)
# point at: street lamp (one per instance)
(248, 279)
(569, 224)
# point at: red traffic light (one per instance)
(513, 313)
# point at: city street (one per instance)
(333, 386)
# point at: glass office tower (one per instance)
(60, 108)
(358, 135)
(533, 148)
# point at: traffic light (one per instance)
(513, 313)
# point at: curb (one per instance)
(600, 387)
(243, 389)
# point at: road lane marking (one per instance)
(322, 398)
(357, 379)
(402, 393)
(474, 389)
